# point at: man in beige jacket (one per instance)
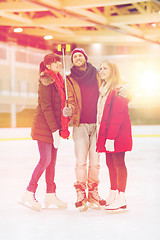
(83, 91)
(82, 88)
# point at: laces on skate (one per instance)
(93, 196)
(81, 202)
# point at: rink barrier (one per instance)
(12, 139)
(146, 135)
(29, 138)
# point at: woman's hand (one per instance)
(109, 145)
(56, 139)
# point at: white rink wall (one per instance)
(16, 133)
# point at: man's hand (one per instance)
(67, 111)
(123, 91)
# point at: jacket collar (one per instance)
(46, 79)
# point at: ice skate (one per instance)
(81, 203)
(119, 204)
(93, 198)
(29, 200)
(111, 197)
(51, 199)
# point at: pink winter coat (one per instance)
(115, 124)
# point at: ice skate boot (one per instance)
(111, 197)
(93, 198)
(81, 203)
(29, 200)
(51, 199)
(118, 205)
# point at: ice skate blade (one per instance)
(53, 209)
(117, 211)
(94, 206)
(27, 206)
(82, 208)
(54, 206)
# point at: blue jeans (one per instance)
(48, 155)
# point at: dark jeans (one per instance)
(117, 170)
(48, 155)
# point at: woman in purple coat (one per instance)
(113, 133)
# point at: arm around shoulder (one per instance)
(124, 90)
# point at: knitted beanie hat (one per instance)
(81, 50)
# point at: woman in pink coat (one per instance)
(113, 133)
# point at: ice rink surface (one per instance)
(17, 161)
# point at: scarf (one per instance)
(101, 101)
(59, 81)
(85, 77)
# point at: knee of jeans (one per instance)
(94, 165)
(81, 165)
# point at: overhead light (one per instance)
(48, 37)
(17, 30)
(97, 49)
(153, 24)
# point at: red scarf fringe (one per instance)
(59, 81)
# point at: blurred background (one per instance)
(125, 32)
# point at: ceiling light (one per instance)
(48, 37)
(153, 24)
(17, 30)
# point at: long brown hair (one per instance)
(48, 59)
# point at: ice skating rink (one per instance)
(18, 157)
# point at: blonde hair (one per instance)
(115, 75)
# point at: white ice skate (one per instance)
(29, 200)
(51, 199)
(111, 197)
(119, 205)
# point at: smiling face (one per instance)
(55, 66)
(105, 71)
(79, 59)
